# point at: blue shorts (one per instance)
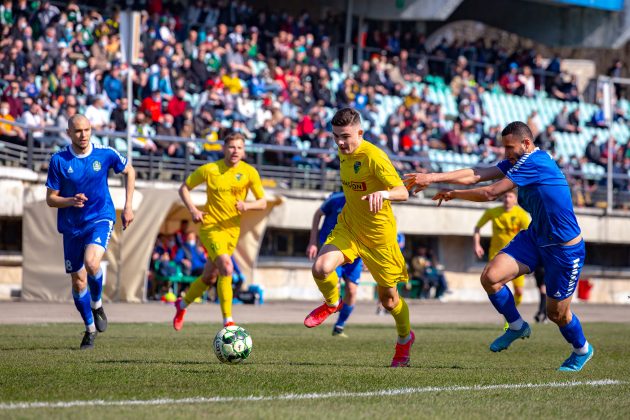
(97, 233)
(351, 271)
(562, 264)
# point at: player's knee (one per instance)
(226, 268)
(558, 317)
(491, 279)
(92, 266)
(78, 284)
(388, 302)
(321, 269)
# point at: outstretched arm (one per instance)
(487, 193)
(243, 206)
(416, 182)
(375, 199)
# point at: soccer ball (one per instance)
(232, 345)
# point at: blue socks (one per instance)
(572, 332)
(95, 284)
(343, 315)
(503, 302)
(82, 302)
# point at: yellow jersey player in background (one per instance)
(227, 182)
(365, 228)
(507, 220)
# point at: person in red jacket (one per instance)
(153, 104)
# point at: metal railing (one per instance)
(289, 167)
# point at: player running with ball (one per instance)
(365, 228)
(552, 240)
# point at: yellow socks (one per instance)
(401, 316)
(224, 291)
(329, 288)
(196, 289)
(518, 299)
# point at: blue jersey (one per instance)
(331, 209)
(71, 174)
(544, 192)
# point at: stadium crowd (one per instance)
(272, 76)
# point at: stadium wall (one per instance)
(290, 278)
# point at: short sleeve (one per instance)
(52, 182)
(524, 172)
(196, 178)
(327, 205)
(118, 161)
(485, 218)
(504, 166)
(385, 171)
(255, 184)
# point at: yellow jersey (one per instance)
(505, 226)
(225, 186)
(365, 171)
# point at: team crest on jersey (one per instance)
(96, 166)
(357, 166)
(70, 170)
(239, 176)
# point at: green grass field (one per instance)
(40, 363)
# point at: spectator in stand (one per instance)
(97, 114)
(118, 117)
(454, 139)
(567, 122)
(593, 152)
(510, 81)
(547, 140)
(113, 86)
(153, 106)
(8, 132)
(598, 119)
(528, 83)
(142, 127)
(191, 256)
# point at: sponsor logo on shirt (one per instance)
(96, 165)
(355, 185)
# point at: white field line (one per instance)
(293, 397)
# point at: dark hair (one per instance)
(232, 137)
(517, 129)
(345, 117)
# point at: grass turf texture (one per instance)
(148, 361)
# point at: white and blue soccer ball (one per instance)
(232, 345)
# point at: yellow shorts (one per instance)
(218, 241)
(385, 262)
(517, 282)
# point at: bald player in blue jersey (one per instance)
(351, 272)
(77, 186)
(552, 240)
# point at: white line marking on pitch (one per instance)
(291, 397)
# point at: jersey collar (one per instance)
(81, 156)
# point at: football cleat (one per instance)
(576, 362)
(178, 319)
(87, 343)
(319, 314)
(509, 336)
(100, 319)
(401, 356)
